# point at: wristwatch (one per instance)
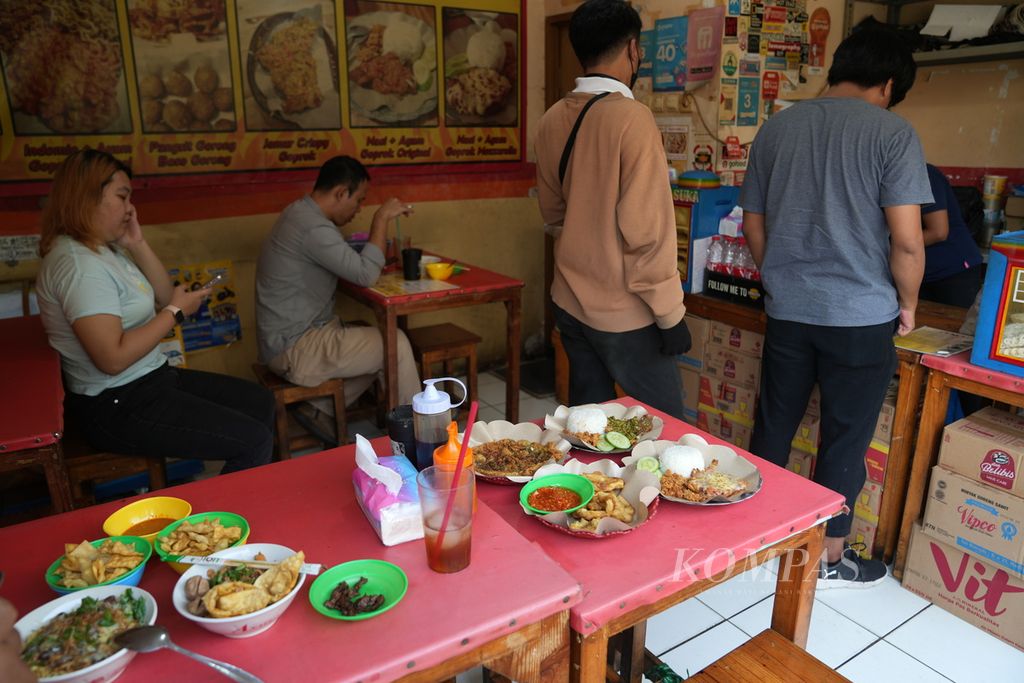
(179, 317)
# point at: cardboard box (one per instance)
(717, 424)
(814, 402)
(978, 519)
(737, 339)
(732, 399)
(699, 331)
(863, 531)
(731, 366)
(988, 447)
(883, 428)
(876, 461)
(977, 592)
(691, 393)
(808, 433)
(1014, 206)
(869, 501)
(801, 462)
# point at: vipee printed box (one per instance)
(883, 428)
(869, 501)
(801, 462)
(982, 594)
(737, 339)
(732, 366)
(713, 422)
(691, 393)
(808, 434)
(732, 399)
(986, 446)
(978, 519)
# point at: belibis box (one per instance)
(986, 446)
(978, 519)
(975, 591)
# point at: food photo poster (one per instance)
(201, 87)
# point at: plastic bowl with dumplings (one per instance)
(131, 578)
(246, 625)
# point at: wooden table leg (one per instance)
(904, 425)
(929, 432)
(513, 315)
(794, 589)
(589, 657)
(387, 321)
(633, 655)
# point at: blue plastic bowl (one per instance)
(132, 578)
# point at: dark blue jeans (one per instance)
(179, 413)
(852, 366)
(598, 360)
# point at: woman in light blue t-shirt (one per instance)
(107, 301)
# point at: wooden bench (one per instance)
(445, 343)
(767, 658)
(286, 393)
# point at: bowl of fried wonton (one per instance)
(234, 604)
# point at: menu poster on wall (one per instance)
(216, 323)
(213, 86)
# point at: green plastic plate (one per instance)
(382, 578)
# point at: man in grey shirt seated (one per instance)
(832, 201)
(300, 337)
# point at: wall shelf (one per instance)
(973, 53)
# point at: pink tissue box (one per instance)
(395, 517)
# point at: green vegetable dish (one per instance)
(75, 640)
(632, 429)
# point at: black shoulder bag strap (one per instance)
(563, 165)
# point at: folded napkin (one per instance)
(386, 491)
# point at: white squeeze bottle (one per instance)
(431, 413)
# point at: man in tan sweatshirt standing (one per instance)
(604, 190)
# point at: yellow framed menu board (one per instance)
(215, 86)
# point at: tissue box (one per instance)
(396, 517)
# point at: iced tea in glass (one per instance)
(435, 488)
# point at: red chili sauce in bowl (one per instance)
(553, 499)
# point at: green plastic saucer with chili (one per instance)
(576, 483)
(382, 578)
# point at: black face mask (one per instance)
(636, 74)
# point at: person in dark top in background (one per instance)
(952, 269)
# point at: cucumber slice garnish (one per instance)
(604, 445)
(648, 463)
(618, 439)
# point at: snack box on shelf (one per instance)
(737, 339)
(987, 446)
(980, 593)
(732, 366)
(978, 519)
(733, 431)
(999, 337)
(733, 399)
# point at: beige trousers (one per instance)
(353, 352)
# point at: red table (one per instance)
(681, 552)
(475, 286)
(944, 374)
(508, 610)
(32, 405)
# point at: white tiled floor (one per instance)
(883, 634)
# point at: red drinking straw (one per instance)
(455, 480)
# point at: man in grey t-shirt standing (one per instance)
(300, 337)
(832, 215)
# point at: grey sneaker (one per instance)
(316, 422)
(851, 571)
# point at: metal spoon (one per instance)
(152, 638)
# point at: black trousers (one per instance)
(853, 367)
(597, 360)
(181, 413)
(955, 290)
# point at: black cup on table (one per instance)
(411, 263)
(400, 431)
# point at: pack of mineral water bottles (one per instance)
(731, 256)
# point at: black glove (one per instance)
(675, 340)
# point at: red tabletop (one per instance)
(32, 399)
(308, 504)
(680, 545)
(960, 365)
(476, 280)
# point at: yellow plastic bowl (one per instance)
(141, 510)
(440, 271)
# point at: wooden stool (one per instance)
(286, 393)
(443, 344)
(87, 467)
(766, 658)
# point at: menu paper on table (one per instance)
(935, 342)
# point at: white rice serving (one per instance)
(404, 40)
(586, 421)
(681, 460)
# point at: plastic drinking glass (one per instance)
(435, 487)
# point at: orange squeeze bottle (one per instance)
(447, 456)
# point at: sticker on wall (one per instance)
(774, 19)
(750, 66)
(727, 102)
(18, 248)
(703, 45)
(754, 43)
(732, 27)
(675, 135)
(770, 85)
(734, 7)
(216, 323)
(749, 102)
(647, 48)
(730, 63)
(733, 155)
(703, 156)
(173, 348)
(818, 27)
(745, 7)
(670, 53)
